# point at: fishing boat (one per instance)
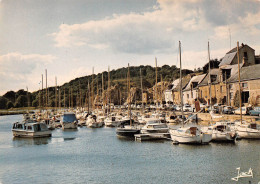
(30, 129)
(69, 121)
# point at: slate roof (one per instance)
(228, 58)
(176, 83)
(197, 79)
(204, 82)
(246, 73)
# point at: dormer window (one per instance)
(226, 74)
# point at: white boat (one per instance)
(112, 121)
(92, 122)
(190, 135)
(248, 131)
(69, 121)
(30, 129)
(154, 126)
(221, 132)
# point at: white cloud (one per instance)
(158, 30)
(20, 70)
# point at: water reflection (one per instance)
(19, 142)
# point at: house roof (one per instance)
(205, 80)
(246, 73)
(176, 83)
(228, 58)
(230, 55)
(197, 79)
(240, 47)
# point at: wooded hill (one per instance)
(79, 86)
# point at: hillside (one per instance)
(79, 87)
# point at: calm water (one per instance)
(98, 156)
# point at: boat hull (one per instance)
(127, 132)
(19, 133)
(189, 138)
(69, 125)
(248, 134)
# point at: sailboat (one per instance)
(188, 134)
(128, 130)
(221, 131)
(245, 130)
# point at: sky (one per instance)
(70, 37)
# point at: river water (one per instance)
(98, 156)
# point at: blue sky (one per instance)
(69, 37)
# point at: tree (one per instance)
(35, 103)
(10, 95)
(9, 105)
(21, 101)
(213, 64)
(3, 102)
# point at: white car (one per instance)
(245, 110)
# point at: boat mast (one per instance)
(103, 95)
(108, 89)
(88, 95)
(42, 94)
(156, 97)
(64, 99)
(55, 92)
(209, 84)
(161, 90)
(239, 87)
(46, 89)
(181, 86)
(92, 86)
(129, 95)
(142, 89)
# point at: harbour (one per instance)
(88, 155)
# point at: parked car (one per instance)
(255, 111)
(215, 109)
(245, 110)
(187, 107)
(228, 110)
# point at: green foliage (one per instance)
(35, 103)
(80, 85)
(9, 105)
(3, 102)
(21, 101)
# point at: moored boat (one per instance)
(69, 121)
(30, 129)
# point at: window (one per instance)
(191, 94)
(188, 96)
(230, 86)
(221, 89)
(244, 85)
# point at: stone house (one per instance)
(190, 92)
(250, 85)
(172, 94)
